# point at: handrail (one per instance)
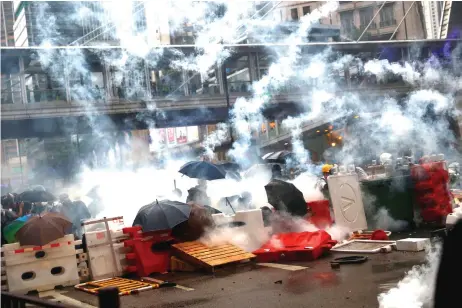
(10, 300)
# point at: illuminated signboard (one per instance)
(181, 135)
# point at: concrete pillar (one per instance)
(252, 67)
(147, 78)
(184, 75)
(107, 81)
(67, 85)
(22, 84)
(218, 73)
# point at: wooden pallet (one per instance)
(210, 258)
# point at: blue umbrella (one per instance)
(203, 170)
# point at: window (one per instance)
(387, 16)
(365, 17)
(306, 10)
(347, 21)
(294, 13)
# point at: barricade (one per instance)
(250, 222)
(431, 188)
(295, 246)
(106, 251)
(150, 251)
(320, 214)
(41, 268)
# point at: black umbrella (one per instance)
(285, 197)
(36, 196)
(203, 170)
(162, 215)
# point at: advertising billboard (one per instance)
(171, 135)
(181, 135)
(192, 133)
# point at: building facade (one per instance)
(7, 23)
(386, 20)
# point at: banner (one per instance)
(181, 135)
(171, 135)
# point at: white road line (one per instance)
(58, 296)
(286, 267)
(160, 281)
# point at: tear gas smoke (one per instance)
(394, 126)
(416, 289)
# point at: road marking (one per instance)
(161, 281)
(286, 267)
(58, 296)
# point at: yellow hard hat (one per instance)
(326, 168)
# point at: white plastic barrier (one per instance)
(41, 268)
(106, 251)
(250, 222)
(347, 201)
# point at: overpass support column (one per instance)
(184, 75)
(22, 83)
(253, 67)
(147, 78)
(219, 74)
(107, 81)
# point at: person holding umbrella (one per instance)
(75, 212)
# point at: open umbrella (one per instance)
(34, 196)
(162, 215)
(10, 230)
(285, 197)
(203, 170)
(277, 157)
(43, 229)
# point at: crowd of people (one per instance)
(13, 207)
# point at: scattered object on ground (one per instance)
(367, 235)
(43, 229)
(295, 246)
(285, 197)
(379, 235)
(163, 215)
(347, 203)
(192, 229)
(209, 258)
(335, 264)
(412, 244)
(362, 246)
(287, 267)
(278, 282)
(177, 265)
(441, 233)
(126, 286)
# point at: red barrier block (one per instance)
(320, 211)
(146, 256)
(295, 246)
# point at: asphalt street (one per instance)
(312, 284)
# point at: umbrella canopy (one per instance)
(162, 215)
(37, 196)
(43, 229)
(199, 221)
(203, 170)
(9, 231)
(285, 197)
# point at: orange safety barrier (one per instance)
(150, 251)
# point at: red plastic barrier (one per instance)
(431, 190)
(146, 260)
(320, 211)
(295, 246)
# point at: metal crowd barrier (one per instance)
(108, 298)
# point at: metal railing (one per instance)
(107, 297)
(10, 300)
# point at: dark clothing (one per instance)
(198, 195)
(76, 212)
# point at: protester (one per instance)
(76, 212)
(198, 194)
